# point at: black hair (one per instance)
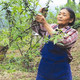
(72, 15)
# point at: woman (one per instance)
(54, 64)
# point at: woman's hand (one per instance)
(41, 19)
(43, 11)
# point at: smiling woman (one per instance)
(54, 64)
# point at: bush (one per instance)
(78, 16)
(77, 24)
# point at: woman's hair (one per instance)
(72, 15)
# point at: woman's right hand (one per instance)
(41, 19)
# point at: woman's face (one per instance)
(63, 18)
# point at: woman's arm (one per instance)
(44, 28)
(37, 27)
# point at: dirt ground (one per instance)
(75, 64)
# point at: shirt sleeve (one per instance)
(39, 28)
(69, 39)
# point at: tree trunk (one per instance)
(79, 2)
(3, 50)
(74, 1)
(68, 1)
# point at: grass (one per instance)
(13, 69)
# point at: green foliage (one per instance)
(71, 5)
(78, 16)
(19, 15)
(17, 34)
(4, 37)
(51, 18)
(77, 24)
(28, 62)
(57, 35)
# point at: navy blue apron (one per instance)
(54, 63)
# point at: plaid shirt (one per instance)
(69, 38)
